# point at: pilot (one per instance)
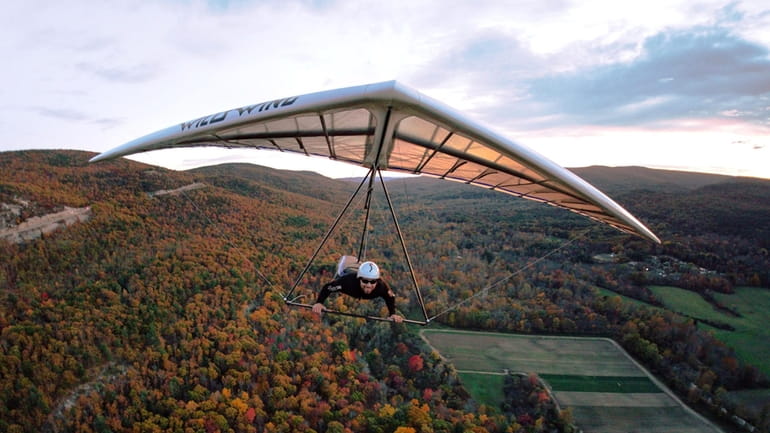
(363, 284)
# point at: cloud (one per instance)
(627, 76)
(699, 73)
(488, 68)
(61, 113)
(744, 143)
(127, 74)
(107, 122)
(62, 116)
(102, 74)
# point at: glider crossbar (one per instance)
(361, 316)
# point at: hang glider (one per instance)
(388, 126)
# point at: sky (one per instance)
(670, 84)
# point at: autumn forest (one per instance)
(162, 307)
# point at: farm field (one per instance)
(495, 352)
(606, 389)
(661, 419)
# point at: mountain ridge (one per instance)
(636, 177)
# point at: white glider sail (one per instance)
(392, 127)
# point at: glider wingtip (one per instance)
(104, 156)
(646, 233)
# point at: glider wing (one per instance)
(393, 127)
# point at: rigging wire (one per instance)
(329, 232)
(363, 243)
(512, 274)
(428, 320)
(229, 242)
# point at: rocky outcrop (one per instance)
(10, 212)
(35, 227)
(190, 187)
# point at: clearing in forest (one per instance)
(751, 331)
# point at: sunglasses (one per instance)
(365, 281)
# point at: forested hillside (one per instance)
(166, 313)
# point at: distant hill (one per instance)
(677, 201)
(738, 207)
(608, 179)
(306, 183)
(684, 202)
(689, 203)
(622, 179)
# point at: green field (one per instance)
(688, 302)
(751, 331)
(604, 292)
(751, 335)
(485, 388)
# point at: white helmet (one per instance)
(368, 270)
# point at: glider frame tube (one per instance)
(403, 248)
(323, 242)
(370, 177)
(361, 316)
